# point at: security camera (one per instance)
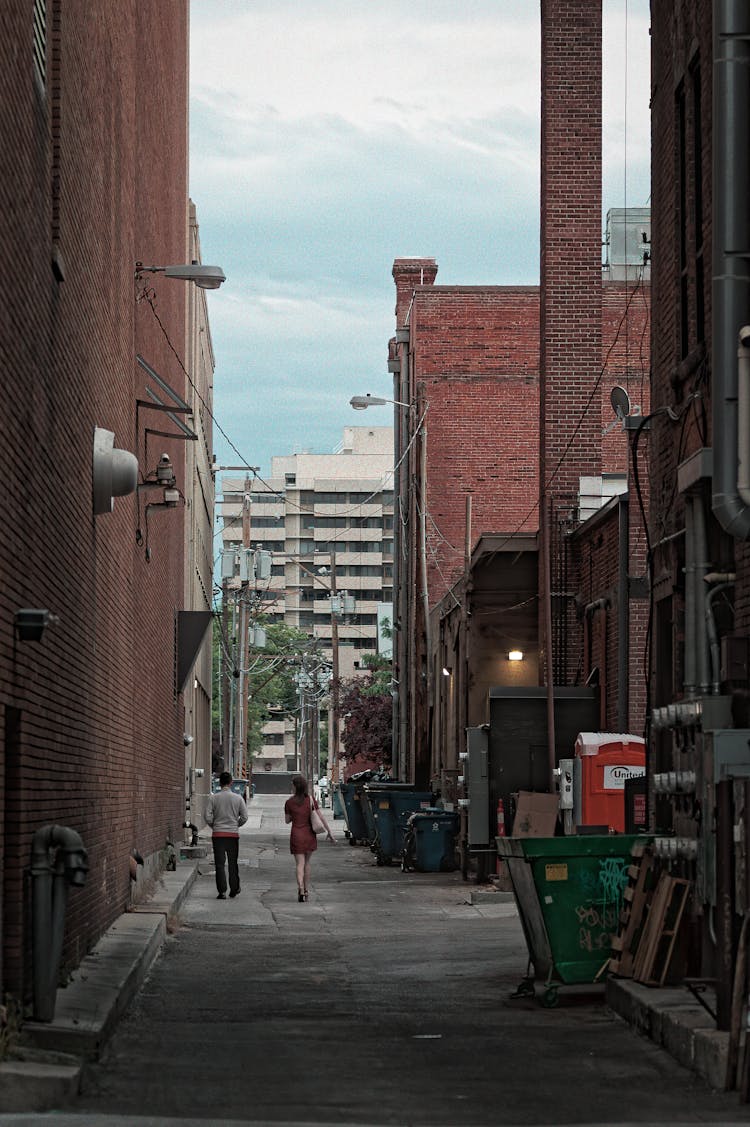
(187, 739)
(165, 472)
(745, 336)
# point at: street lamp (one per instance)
(361, 402)
(205, 277)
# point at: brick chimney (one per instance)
(408, 273)
(571, 236)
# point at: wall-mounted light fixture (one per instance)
(31, 623)
(205, 277)
(114, 472)
(515, 655)
(446, 671)
(361, 402)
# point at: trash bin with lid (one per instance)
(351, 797)
(569, 893)
(430, 841)
(391, 804)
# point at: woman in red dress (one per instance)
(302, 840)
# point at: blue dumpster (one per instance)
(391, 805)
(338, 803)
(351, 796)
(430, 841)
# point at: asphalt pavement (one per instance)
(385, 999)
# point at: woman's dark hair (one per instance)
(299, 782)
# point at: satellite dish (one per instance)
(620, 401)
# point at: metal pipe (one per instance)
(50, 882)
(713, 637)
(623, 617)
(743, 414)
(423, 557)
(725, 945)
(545, 529)
(690, 662)
(701, 569)
(730, 251)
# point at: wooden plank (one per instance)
(647, 947)
(635, 900)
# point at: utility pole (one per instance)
(333, 740)
(227, 676)
(243, 650)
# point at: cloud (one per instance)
(328, 139)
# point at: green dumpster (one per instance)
(569, 895)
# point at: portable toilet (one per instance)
(602, 763)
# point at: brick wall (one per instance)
(570, 298)
(99, 179)
(476, 362)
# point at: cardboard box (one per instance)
(536, 814)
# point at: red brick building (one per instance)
(94, 105)
(511, 417)
(697, 662)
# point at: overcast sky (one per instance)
(328, 137)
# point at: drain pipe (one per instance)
(743, 412)
(720, 581)
(623, 616)
(50, 876)
(731, 252)
(701, 569)
(690, 617)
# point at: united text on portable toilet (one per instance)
(603, 761)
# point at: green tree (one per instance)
(270, 677)
(367, 705)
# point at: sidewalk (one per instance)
(45, 1069)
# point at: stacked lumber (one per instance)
(653, 907)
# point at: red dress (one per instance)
(302, 839)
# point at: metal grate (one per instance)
(40, 40)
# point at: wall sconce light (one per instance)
(362, 402)
(515, 655)
(31, 623)
(446, 671)
(205, 277)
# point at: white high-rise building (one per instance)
(316, 510)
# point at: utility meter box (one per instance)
(602, 763)
(478, 786)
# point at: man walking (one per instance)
(225, 813)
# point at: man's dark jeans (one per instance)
(226, 847)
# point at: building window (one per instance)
(290, 479)
(266, 522)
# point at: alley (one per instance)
(383, 1000)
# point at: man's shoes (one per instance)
(233, 894)
(221, 896)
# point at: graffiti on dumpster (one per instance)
(598, 914)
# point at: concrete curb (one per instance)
(670, 1017)
(89, 1007)
(490, 896)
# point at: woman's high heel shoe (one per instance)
(301, 896)
(305, 894)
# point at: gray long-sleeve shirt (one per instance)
(225, 813)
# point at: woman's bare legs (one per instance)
(308, 857)
(300, 862)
